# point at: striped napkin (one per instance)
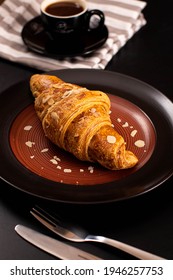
(123, 19)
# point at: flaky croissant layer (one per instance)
(78, 121)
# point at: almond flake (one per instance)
(45, 99)
(67, 170)
(28, 127)
(67, 93)
(44, 150)
(54, 161)
(51, 101)
(29, 144)
(93, 110)
(55, 116)
(76, 135)
(133, 133)
(125, 124)
(56, 85)
(91, 169)
(111, 139)
(57, 158)
(139, 143)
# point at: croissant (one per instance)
(78, 121)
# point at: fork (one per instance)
(77, 234)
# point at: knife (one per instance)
(53, 246)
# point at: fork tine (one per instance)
(50, 222)
(51, 216)
(63, 229)
(45, 215)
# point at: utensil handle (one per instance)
(140, 254)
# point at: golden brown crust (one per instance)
(77, 120)
(39, 83)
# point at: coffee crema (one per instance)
(64, 9)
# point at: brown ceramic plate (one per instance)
(32, 164)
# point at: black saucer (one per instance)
(38, 40)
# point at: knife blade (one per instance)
(53, 246)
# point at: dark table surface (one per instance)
(145, 221)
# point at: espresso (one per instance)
(64, 9)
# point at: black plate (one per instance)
(156, 170)
(39, 41)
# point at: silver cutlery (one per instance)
(52, 246)
(79, 235)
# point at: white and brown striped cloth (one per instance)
(123, 19)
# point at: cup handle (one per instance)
(98, 22)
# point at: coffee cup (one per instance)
(62, 17)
